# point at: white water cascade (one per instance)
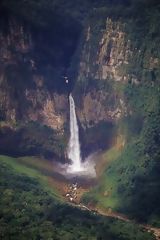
(74, 152)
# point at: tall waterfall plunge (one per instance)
(74, 152)
(77, 167)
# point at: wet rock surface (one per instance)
(72, 192)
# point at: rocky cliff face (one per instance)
(109, 60)
(24, 95)
(112, 58)
(112, 54)
(102, 67)
(17, 61)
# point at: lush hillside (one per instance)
(28, 210)
(130, 182)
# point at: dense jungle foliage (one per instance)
(27, 211)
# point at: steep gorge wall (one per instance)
(24, 94)
(108, 62)
(119, 68)
(104, 57)
(113, 57)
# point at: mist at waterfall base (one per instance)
(77, 167)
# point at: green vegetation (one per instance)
(31, 169)
(130, 183)
(101, 194)
(27, 210)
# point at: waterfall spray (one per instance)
(74, 152)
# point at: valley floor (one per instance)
(41, 170)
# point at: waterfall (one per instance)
(74, 152)
(86, 168)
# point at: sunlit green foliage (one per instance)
(132, 180)
(27, 211)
